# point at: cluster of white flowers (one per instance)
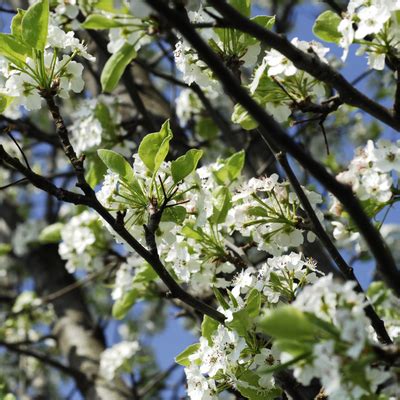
(220, 359)
(94, 121)
(299, 84)
(371, 17)
(266, 210)
(84, 242)
(23, 87)
(124, 276)
(370, 172)
(114, 359)
(292, 272)
(195, 70)
(340, 305)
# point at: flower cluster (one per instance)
(267, 211)
(95, 122)
(277, 82)
(344, 342)
(114, 359)
(236, 49)
(370, 172)
(377, 18)
(83, 242)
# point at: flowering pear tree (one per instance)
(198, 161)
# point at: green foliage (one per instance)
(140, 282)
(98, 21)
(117, 163)
(249, 387)
(208, 327)
(52, 233)
(95, 169)
(35, 24)
(154, 148)
(221, 205)
(5, 101)
(115, 67)
(326, 27)
(13, 49)
(185, 165)
(183, 357)
(231, 170)
(5, 248)
(16, 24)
(289, 323)
(242, 117)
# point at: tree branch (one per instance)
(278, 139)
(306, 62)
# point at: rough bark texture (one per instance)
(80, 341)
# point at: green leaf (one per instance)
(16, 24)
(185, 165)
(191, 233)
(98, 21)
(35, 25)
(243, 6)
(242, 117)
(208, 327)
(108, 6)
(175, 214)
(326, 27)
(51, 233)
(95, 169)
(117, 163)
(154, 147)
(143, 276)
(5, 101)
(222, 204)
(222, 302)
(115, 67)
(13, 49)
(240, 322)
(289, 323)
(265, 21)
(123, 305)
(5, 248)
(183, 357)
(232, 167)
(253, 303)
(249, 387)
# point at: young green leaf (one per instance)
(35, 24)
(154, 147)
(123, 305)
(98, 21)
(242, 117)
(183, 358)
(5, 101)
(5, 248)
(13, 49)
(221, 206)
(288, 323)
(117, 163)
(51, 233)
(185, 165)
(231, 169)
(248, 386)
(208, 327)
(115, 67)
(326, 27)
(16, 24)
